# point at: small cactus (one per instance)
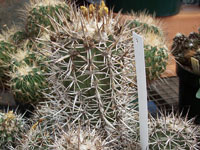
(27, 81)
(11, 126)
(80, 139)
(145, 23)
(156, 55)
(173, 132)
(6, 49)
(38, 12)
(35, 138)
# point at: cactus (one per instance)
(35, 138)
(156, 55)
(172, 132)
(27, 81)
(11, 126)
(38, 12)
(14, 35)
(92, 74)
(5, 50)
(184, 48)
(80, 139)
(145, 23)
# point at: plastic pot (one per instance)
(189, 84)
(159, 7)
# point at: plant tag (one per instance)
(195, 65)
(142, 89)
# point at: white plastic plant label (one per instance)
(142, 89)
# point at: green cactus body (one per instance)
(11, 125)
(6, 49)
(38, 15)
(156, 61)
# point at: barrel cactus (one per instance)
(11, 126)
(173, 132)
(38, 12)
(92, 74)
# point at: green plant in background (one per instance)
(145, 23)
(5, 50)
(26, 76)
(156, 55)
(11, 126)
(14, 35)
(172, 132)
(156, 52)
(26, 83)
(22, 69)
(38, 12)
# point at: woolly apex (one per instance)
(43, 3)
(92, 22)
(8, 33)
(154, 40)
(80, 139)
(149, 20)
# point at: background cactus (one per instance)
(146, 23)
(184, 48)
(36, 137)
(173, 132)
(11, 126)
(156, 52)
(22, 69)
(156, 55)
(38, 12)
(80, 139)
(6, 49)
